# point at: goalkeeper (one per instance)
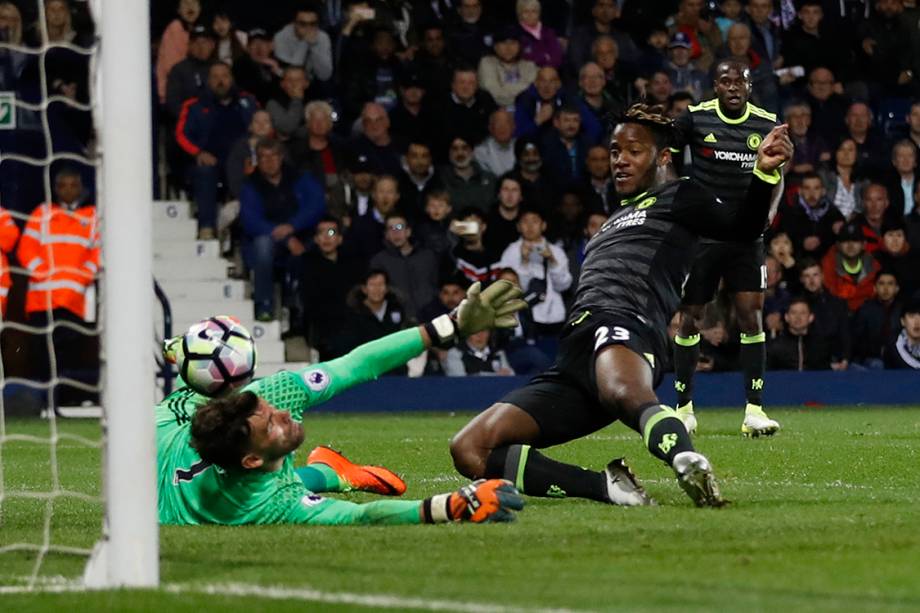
(231, 460)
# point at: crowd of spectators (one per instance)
(375, 157)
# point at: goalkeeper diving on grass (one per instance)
(230, 460)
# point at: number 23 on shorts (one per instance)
(605, 334)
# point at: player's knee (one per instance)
(469, 459)
(613, 392)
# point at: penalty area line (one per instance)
(383, 601)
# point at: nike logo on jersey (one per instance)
(710, 138)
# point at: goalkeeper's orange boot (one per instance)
(375, 479)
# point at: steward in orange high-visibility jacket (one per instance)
(60, 249)
(9, 234)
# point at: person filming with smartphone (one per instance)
(472, 258)
(543, 269)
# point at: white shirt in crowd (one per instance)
(551, 310)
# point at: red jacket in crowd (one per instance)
(854, 289)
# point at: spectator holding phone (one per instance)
(543, 269)
(472, 258)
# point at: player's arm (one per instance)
(483, 501)
(683, 130)
(493, 307)
(711, 217)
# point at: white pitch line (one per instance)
(385, 601)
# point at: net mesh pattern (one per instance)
(47, 108)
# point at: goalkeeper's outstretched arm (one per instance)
(494, 307)
(494, 500)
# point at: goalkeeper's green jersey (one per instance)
(192, 491)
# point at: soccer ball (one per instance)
(216, 356)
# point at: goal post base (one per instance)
(102, 574)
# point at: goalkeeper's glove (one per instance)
(493, 307)
(171, 347)
(481, 501)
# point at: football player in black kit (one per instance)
(723, 135)
(615, 337)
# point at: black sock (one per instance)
(536, 475)
(753, 360)
(664, 432)
(686, 356)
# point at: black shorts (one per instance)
(740, 264)
(563, 400)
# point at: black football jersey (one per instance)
(637, 263)
(723, 149)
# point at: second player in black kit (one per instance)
(723, 135)
(615, 336)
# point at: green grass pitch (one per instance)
(825, 516)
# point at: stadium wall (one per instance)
(825, 388)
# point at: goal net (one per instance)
(77, 497)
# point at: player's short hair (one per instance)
(654, 118)
(730, 64)
(220, 429)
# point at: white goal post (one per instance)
(128, 554)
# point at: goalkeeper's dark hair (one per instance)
(220, 429)
(655, 119)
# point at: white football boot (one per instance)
(623, 488)
(756, 423)
(694, 474)
(686, 415)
